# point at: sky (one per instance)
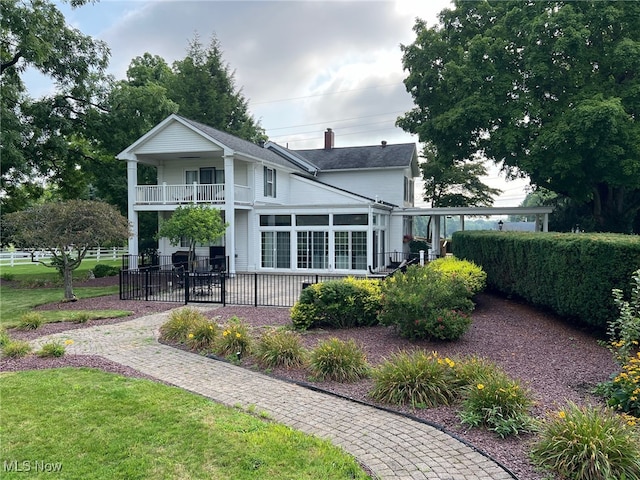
(304, 66)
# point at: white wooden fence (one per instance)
(23, 257)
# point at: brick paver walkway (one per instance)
(392, 446)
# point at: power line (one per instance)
(336, 121)
(326, 93)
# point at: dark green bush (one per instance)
(572, 274)
(338, 303)
(424, 303)
(104, 270)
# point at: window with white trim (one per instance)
(269, 182)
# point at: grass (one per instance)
(106, 426)
(30, 292)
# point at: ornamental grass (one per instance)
(588, 443)
(418, 379)
(278, 347)
(342, 361)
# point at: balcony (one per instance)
(188, 194)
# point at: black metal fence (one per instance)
(163, 282)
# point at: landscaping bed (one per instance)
(557, 361)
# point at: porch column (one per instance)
(229, 208)
(435, 236)
(545, 222)
(132, 214)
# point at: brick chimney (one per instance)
(328, 139)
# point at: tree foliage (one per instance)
(66, 230)
(197, 223)
(546, 89)
(38, 135)
(455, 184)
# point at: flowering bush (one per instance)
(16, 349)
(235, 339)
(418, 379)
(202, 335)
(335, 359)
(499, 403)
(443, 324)
(420, 302)
(585, 443)
(180, 323)
(623, 390)
(343, 303)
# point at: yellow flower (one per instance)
(210, 327)
(68, 342)
(225, 333)
(480, 386)
(238, 335)
(561, 414)
(191, 335)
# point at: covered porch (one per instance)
(439, 213)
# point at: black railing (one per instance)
(164, 282)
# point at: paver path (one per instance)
(392, 446)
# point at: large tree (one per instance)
(42, 138)
(545, 89)
(455, 184)
(204, 87)
(66, 230)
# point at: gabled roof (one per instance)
(349, 158)
(238, 144)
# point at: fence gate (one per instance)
(154, 284)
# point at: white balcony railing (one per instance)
(183, 194)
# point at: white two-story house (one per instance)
(325, 210)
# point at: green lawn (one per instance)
(38, 285)
(97, 425)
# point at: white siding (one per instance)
(387, 185)
(174, 171)
(305, 192)
(242, 238)
(176, 138)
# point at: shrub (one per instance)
(624, 331)
(417, 379)
(343, 303)
(51, 349)
(8, 276)
(202, 335)
(16, 349)
(473, 370)
(280, 348)
(623, 391)
(104, 270)
(4, 337)
(81, 317)
(235, 339)
(180, 323)
(413, 302)
(472, 275)
(30, 321)
(585, 443)
(335, 359)
(498, 403)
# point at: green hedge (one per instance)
(343, 303)
(572, 274)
